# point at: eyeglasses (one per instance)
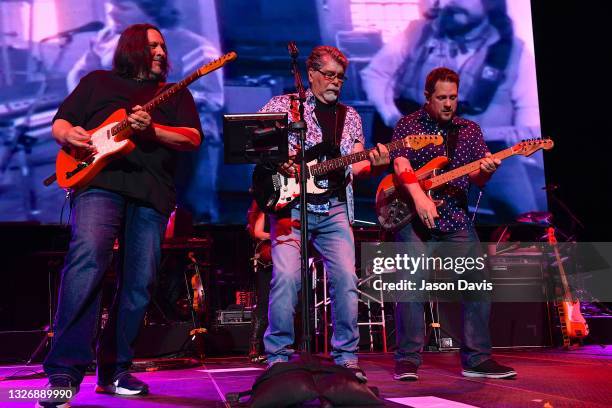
(330, 76)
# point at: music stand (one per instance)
(256, 138)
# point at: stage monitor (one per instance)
(255, 138)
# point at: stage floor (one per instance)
(581, 378)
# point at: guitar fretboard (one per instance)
(182, 84)
(417, 141)
(340, 162)
(466, 169)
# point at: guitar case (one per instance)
(308, 378)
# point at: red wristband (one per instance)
(408, 177)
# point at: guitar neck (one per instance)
(567, 294)
(168, 93)
(466, 169)
(328, 166)
(158, 100)
(124, 125)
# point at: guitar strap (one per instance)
(341, 110)
(340, 119)
(294, 111)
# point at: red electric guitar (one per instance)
(75, 167)
(573, 325)
(395, 210)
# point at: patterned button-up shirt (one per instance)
(351, 134)
(470, 146)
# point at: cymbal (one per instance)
(535, 217)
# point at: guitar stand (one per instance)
(197, 330)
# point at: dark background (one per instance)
(572, 81)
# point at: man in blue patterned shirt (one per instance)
(448, 223)
(329, 216)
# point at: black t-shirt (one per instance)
(327, 116)
(147, 173)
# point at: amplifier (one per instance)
(233, 316)
(519, 313)
(502, 262)
(519, 278)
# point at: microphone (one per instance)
(91, 26)
(293, 49)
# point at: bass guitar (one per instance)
(573, 324)
(273, 191)
(394, 209)
(75, 167)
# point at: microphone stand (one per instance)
(299, 126)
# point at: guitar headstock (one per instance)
(218, 63)
(530, 146)
(417, 142)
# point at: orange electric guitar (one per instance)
(573, 325)
(75, 167)
(394, 209)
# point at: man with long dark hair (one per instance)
(196, 187)
(129, 201)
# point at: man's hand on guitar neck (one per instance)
(139, 119)
(174, 137)
(377, 163)
(488, 166)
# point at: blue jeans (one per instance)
(409, 316)
(332, 236)
(98, 217)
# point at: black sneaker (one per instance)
(359, 373)
(127, 384)
(64, 387)
(405, 371)
(489, 369)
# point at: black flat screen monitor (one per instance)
(255, 138)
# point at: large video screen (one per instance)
(46, 46)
